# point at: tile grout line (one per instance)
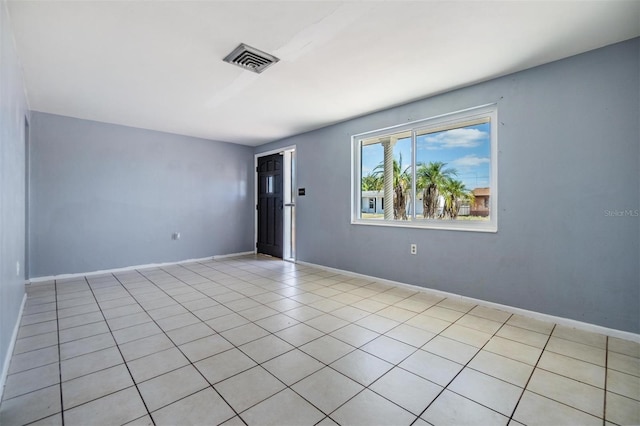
(463, 367)
(176, 346)
(55, 290)
(532, 373)
(119, 351)
(606, 376)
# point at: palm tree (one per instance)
(455, 193)
(431, 179)
(372, 182)
(401, 186)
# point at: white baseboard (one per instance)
(111, 271)
(524, 312)
(224, 256)
(12, 343)
(130, 268)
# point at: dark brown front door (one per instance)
(270, 204)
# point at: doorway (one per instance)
(275, 203)
(270, 205)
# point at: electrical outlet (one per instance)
(414, 249)
(175, 236)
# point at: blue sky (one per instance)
(465, 149)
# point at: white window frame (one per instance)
(445, 120)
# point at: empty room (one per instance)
(292, 213)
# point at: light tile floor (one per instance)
(258, 341)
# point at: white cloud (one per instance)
(456, 138)
(470, 161)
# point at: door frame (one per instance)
(289, 184)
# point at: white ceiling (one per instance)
(158, 64)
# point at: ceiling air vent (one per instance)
(250, 58)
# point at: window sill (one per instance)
(472, 226)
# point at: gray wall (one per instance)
(13, 109)
(107, 196)
(568, 150)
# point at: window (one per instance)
(439, 172)
(372, 203)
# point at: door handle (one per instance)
(290, 205)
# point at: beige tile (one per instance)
(128, 321)
(122, 311)
(522, 335)
(95, 385)
(55, 420)
(224, 365)
(625, 347)
(444, 314)
(369, 408)
(326, 323)
(212, 312)
(202, 408)
(227, 322)
(167, 311)
(327, 389)
(31, 380)
(362, 367)
(580, 336)
(369, 305)
(170, 387)
(431, 367)
(349, 313)
(33, 343)
(623, 384)
(377, 323)
(258, 312)
(622, 410)
(624, 363)
(577, 350)
(536, 410)
(414, 305)
(355, 335)
(79, 332)
(90, 363)
(567, 391)
(456, 304)
(507, 369)
(428, 323)
(389, 349)
(205, 347)
(277, 322)
(573, 368)
(466, 335)
(395, 313)
(409, 391)
(293, 366)
(136, 332)
(410, 335)
(479, 323)
(452, 409)
(101, 412)
(514, 350)
(38, 328)
(490, 313)
(41, 403)
(304, 313)
(326, 349)
(190, 333)
(86, 345)
(146, 346)
(177, 321)
(543, 327)
(284, 408)
(244, 334)
(486, 390)
(266, 348)
(451, 349)
(262, 385)
(156, 364)
(299, 334)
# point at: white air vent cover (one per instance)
(250, 58)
